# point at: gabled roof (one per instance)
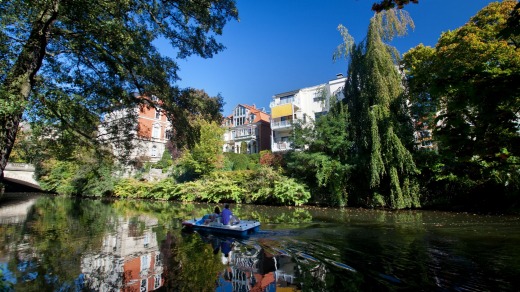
(259, 115)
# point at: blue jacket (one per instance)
(226, 215)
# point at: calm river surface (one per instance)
(61, 244)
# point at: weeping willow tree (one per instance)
(380, 127)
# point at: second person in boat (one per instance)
(227, 216)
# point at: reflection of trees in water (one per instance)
(247, 265)
(271, 214)
(189, 263)
(44, 254)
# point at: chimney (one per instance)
(339, 75)
(254, 105)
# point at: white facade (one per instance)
(303, 105)
(147, 130)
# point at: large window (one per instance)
(156, 131)
(145, 262)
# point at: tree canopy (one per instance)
(384, 168)
(70, 62)
(469, 84)
(389, 4)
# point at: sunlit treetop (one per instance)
(389, 4)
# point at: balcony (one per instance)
(281, 146)
(281, 124)
(277, 102)
(245, 132)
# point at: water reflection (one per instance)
(128, 259)
(61, 244)
(249, 267)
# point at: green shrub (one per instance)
(132, 188)
(263, 186)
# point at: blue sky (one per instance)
(282, 45)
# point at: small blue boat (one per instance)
(241, 229)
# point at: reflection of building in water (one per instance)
(14, 211)
(13, 214)
(129, 259)
(251, 268)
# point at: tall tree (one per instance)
(74, 61)
(384, 168)
(471, 79)
(206, 155)
(323, 161)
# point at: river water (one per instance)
(62, 244)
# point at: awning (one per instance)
(282, 111)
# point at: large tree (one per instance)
(471, 83)
(380, 127)
(72, 61)
(322, 159)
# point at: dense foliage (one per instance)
(468, 89)
(361, 153)
(261, 186)
(384, 169)
(87, 175)
(68, 63)
(206, 155)
(324, 162)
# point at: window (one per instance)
(286, 99)
(154, 151)
(158, 260)
(427, 143)
(168, 134)
(240, 121)
(146, 238)
(317, 115)
(156, 131)
(144, 285)
(145, 262)
(157, 281)
(158, 113)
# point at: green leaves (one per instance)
(75, 62)
(470, 83)
(379, 123)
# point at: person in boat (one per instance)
(213, 217)
(227, 216)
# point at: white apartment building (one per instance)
(303, 105)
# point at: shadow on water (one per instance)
(62, 244)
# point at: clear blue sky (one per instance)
(283, 45)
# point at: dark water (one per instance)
(60, 244)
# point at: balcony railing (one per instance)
(281, 124)
(281, 146)
(277, 102)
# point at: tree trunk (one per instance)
(20, 80)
